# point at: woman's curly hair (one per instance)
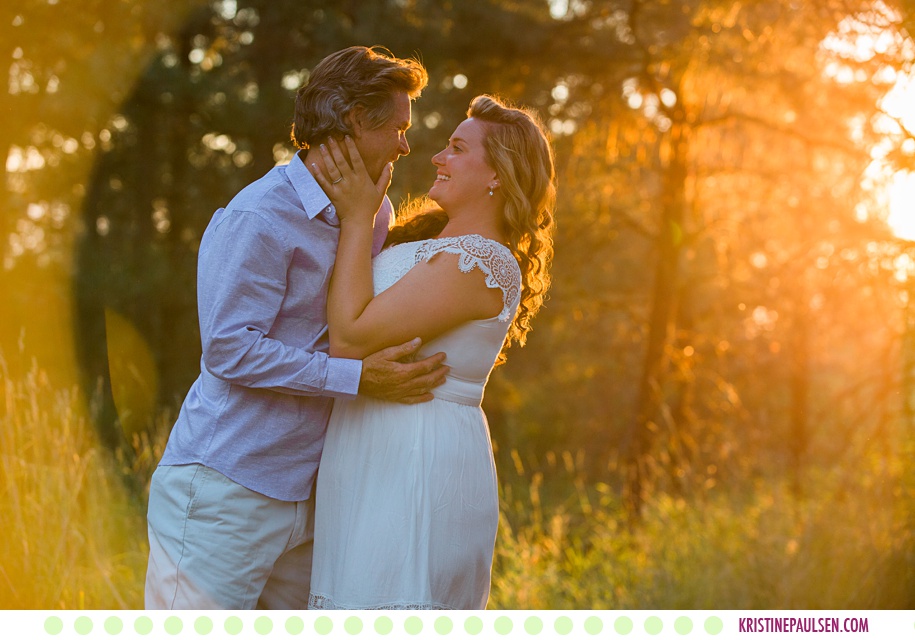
(519, 151)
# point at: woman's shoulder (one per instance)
(491, 257)
(471, 244)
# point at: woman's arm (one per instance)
(434, 297)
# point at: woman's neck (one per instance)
(487, 226)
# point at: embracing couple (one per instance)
(330, 337)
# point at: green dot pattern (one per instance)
(653, 625)
(173, 625)
(295, 625)
(83, 625)
(233, 625)
(263, 625)
(413, 625)
(683, 625)
(353, 625)
(473, 625)
(323, 625)
(113, 626)
(143, 625)
(443, 626)
(203, 625)
(714, 626)
(384, 625)
(623, 625)
(370, 625)
(533, 625)
(53, 625)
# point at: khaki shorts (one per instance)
(213, 544)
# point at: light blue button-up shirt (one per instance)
(259, 410)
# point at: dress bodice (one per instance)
(472, 347)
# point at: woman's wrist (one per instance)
(357, 223)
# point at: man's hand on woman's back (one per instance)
(388, 375)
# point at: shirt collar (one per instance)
(309, 191)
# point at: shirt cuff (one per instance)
(343, 377)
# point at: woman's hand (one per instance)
(347, 183)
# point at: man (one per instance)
(231, 504)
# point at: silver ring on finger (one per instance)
(338, 180)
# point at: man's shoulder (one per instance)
(270, 193)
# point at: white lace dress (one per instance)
(407, 502)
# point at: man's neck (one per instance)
(313, 154)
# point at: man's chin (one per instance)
(375, 174)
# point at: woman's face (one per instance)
(463, 175)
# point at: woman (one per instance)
(407, 501)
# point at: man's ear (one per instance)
(356, 120)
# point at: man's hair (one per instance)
(366, 77)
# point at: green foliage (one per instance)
(74, 539)
(724, 291)
(752, 545)
(716, 289)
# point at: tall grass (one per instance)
(71, 536)
(848, 542)
(74, 538)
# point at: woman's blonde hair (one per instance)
(518, 150)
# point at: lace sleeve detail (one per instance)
(493, 259)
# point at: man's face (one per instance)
(389, 141)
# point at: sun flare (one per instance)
(892, 188)
(901, 196)
(899, 104)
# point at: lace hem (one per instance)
(316, 601)
(495, 261)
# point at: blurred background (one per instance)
(716, 406)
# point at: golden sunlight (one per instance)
(899, 104)
(901, 196)
(861, 38)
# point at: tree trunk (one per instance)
(638, 441)
(799, 392)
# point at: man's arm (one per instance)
(241, 288)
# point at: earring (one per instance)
(491, 194)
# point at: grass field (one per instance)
(73, 537)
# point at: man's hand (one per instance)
(384, 376)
